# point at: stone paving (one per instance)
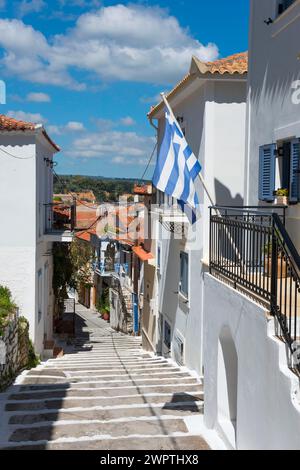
(104, 394)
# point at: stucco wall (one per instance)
(214, 119)
(25, 186)
(273, 68)
(264, 395)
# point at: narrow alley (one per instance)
(104, 394)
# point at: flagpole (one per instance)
(200, 175)
(205, 187)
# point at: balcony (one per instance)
(251, 250)
(60, 221)
(108, 269)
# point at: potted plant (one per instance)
(282, 266)
(103, 305)
(282, 197)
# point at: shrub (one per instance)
(7, 307)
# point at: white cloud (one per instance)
(119, 147)
(38, 97)
(26, 7)
(127, 121)
(133, 42)
(72, 126)
(29, 117)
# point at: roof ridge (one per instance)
(11, 124)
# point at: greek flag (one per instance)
(177, 167)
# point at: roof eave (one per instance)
(39, 128)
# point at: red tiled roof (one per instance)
(86, 236)
(236, 64)
(142, 254)
(143, 190)
(10, 124)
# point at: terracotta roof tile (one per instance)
(142, 254)
(231, 65)
(237, 63)
(10, 124)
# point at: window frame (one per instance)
(167, 327)
(40, 295)
(282, 6)
(184, 256)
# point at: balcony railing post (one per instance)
(274, 271)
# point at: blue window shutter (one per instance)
(267, 169)
(295, 168)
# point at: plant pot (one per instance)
(282, 268)
(105, 316)
(282, 201)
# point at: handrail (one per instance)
(260, 257)
(287, 240)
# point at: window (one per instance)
(40, 295)
(279, 168)
(167, 335)
(184, 274)
(158, 258)
(284, 5)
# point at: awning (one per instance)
(142, 254)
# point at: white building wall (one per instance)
(273, 114)
(214, 119)
(25, 186)
(250, 394)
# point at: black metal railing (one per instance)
(60, 217)
(285, 299)
(251, 248)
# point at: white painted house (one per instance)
(252, 298)
(210, 104)
(26, 236)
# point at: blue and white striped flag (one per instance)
(177, 167)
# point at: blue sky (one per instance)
(90, 69)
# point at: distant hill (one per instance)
(105, 189)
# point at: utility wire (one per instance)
(149, 163)
(14, 156)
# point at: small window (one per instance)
(284, 5)
(40, 295)
(158, 258)
(184, 274)
(167, 335)
(280, 171)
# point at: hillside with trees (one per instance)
(105, 189)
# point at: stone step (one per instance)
(187, 383)
(109, 392)
(115, 368)
(163, 443)
(157, 372)
(180, 409)
(48, 372)
(95, 383)
(72, 431)
(86, 377)
(83, 402)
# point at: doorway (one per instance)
(227, 386)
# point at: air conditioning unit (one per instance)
(178, 349)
